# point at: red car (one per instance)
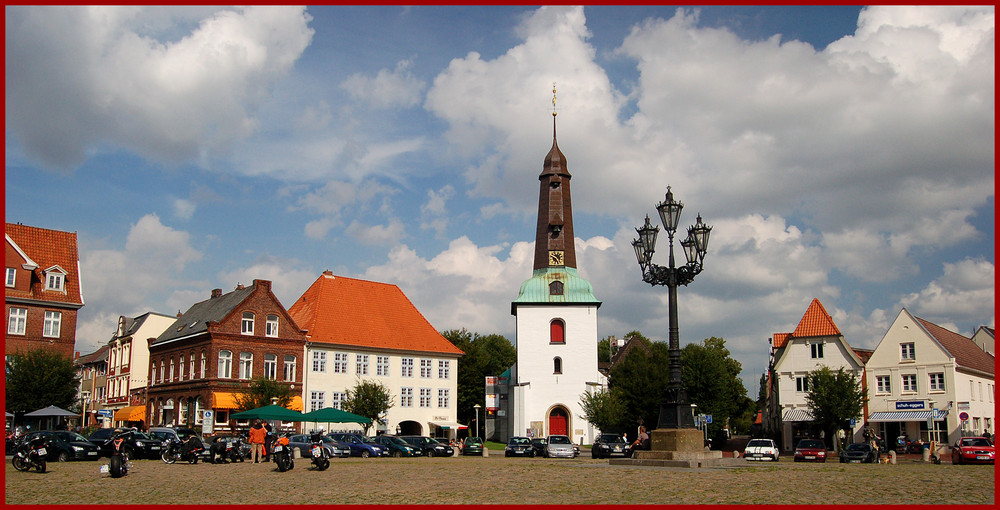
(810, 450)
(972, 450)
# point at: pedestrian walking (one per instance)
(257, 434)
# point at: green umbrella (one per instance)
(334, 415)
(271, 412)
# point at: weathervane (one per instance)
(553, 99)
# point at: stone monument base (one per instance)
(677, 448)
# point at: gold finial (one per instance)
(553, 99)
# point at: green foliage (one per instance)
(370, 399)
(602, 408)
(639, 381)
(40, 378)
(259, 394)
(485, 355)
(712, 381)
(834, 398)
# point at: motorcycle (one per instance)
(222, 452)
(119, 464)
(319, 454)
(283, 454)
(31, 454)
(188, 451)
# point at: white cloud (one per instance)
(386, 235)
(963, 295)
(288, 279)
(433, 212)
(388, 89)
(89, 76)
(184, 208)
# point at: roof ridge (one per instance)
(816, 322)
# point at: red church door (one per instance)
(557, 422)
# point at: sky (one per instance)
(839, 153)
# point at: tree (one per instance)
(640, 380)
(485, 355)
(40, 378)
(260, 392)
(602, 408)
(712, 380)
(834, 398)
(370, 399)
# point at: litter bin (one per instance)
(927, 452)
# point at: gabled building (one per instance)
(815, 343)
(930, 383)
(128, 364)
(43, 291)
(214, 349)
(93, 369)
(358, 330)
(985, 337)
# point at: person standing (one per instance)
(257, 434)
(268, 441)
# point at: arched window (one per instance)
(191, 373)
(163, 371)
(170, 374)
(204, 364)
(557, 332)
(247, 328)
(225, 364)
(271, 327)
(270, 366)
(289, 372)
(246, 365)
(180, 368)
(557, 365)
(556, 288)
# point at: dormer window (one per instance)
(55, 279)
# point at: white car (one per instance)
(761, 449)
(560, 446)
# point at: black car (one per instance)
(610, 445)
(138, 444)
(519, 446)
(539, 444)
(360, 445)
(65, 445)
(397, 447)
(430, 446)
(859, 452)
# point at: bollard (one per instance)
(486, 451)
(927, 452)
(296, 453)
(892, 456)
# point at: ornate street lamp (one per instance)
(675, 410)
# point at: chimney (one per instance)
(216, 293)
(263, 284)
(239, 286)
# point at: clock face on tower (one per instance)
(556, 258)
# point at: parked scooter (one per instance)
(120, 464)
(319, 455)
(30, 454)
(283, 454)
(185, 451)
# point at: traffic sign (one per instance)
(708, 418)
(105, 412)
(963, 416)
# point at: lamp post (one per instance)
(476, 407)
(675, 411)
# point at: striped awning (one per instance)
(903, 416)
(131, 413)
(449, 425)
(796, 415)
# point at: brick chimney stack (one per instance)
(216, 293)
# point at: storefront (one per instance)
(917, 425)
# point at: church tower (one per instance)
(556, 315)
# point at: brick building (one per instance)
(42, 292)
(215, 348)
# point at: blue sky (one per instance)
(840, 153)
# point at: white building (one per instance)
(929, 383)
(128, 364)
(556, 314)
(815, 343)
(361, 330)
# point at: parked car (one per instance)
(430, 446)
(304, 443)
(164, 434)
(810, 450)
(538, 444)
(559, 446)
(859, 452)
(65, 445)
(397, 447)
(473, 446)
(977, 450)
(360, 445)
(139, 446)
(761, 449)
(519, 446)
(610, 445)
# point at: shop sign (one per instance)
(910, 404)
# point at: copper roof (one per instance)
(361, 313)
(966, 353)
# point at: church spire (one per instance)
(554, 242)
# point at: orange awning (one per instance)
(131, 413)
(223, 400)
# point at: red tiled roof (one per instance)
(780, 339)
(816, 322)
(48, 248)
(963, 349)
(360, 313)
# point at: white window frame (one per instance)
(17, 321)
(271, 326)
(444, 398)
(405, 397)
(361, 364)
(802, 384)
(317, 400)
(246, 324)
(816, 350)
(52, 325)
(907, 352)
(11, 277)
(340, 362)
(406, 368)
(270, 366)
(883, 384)
(163, 372)
(936, 381)
(337, 399)
(319, 361)
(170, 374)
(909, 383)
(425, 397)
(225, 364)
(288, 369)
(204, 364)
(425, 368)
(382, 365)
(180, 367)
(191, 373)
(444, 369)
(55, 280)
(246, 365)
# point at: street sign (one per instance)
(708, 418)
(105, 412)
(854, 422)
(207, 421)
(963, 416)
